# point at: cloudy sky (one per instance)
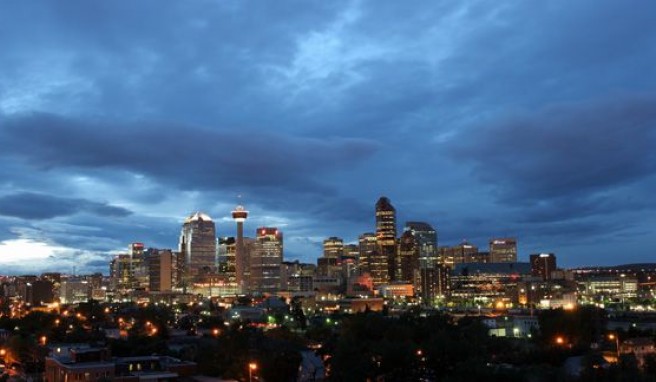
(507, 118)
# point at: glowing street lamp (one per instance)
(560, 340)
(251, 368)
(615, 337)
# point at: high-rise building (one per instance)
(139, 271)
(458, 254)
(333, 252)
(351, 251)
(227, 253)
(198, 243)
(503, 250)
(333, 247)
(327, 266)
(408, 259)
(296, 276)
(160, 269)
(432, 277)
(249, 251)
(265, 260)
(386, 241)
(542, 264)
(426, 237)
(433, 282)
(366, 248)
(240, 215)
(120, 272)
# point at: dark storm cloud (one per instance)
(568, 160)
(28, 205)
(190, 157)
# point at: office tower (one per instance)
(329, 263)
(480, 257)
(265, 261)
(227, 253)
(296, 276)
(427, 285)
(408, 258)
(351, 251)
(426, 237)
(386, 241)
(333, 247)
(366, 247)
(542, 264)
(74, 290)
(120, 272)
(240, 215)
(180, 281)
(433, 283)
(160, 269)
(503, 250)
(139, 266)
(461, 253)
(198, 243)
(327, 266)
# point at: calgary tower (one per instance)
(240, 215)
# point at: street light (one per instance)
(615, 337)
(251, 368)
(560, 340)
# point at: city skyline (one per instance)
(532, 121)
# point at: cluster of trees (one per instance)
(365, 346)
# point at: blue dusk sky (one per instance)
(535, 120)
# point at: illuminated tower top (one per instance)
(239, 214)
(385, 221)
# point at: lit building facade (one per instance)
(458, 254)
(265, 260)
(198, 245)
(333, 247)
(386, 243)
(227, 252)
(542, 264)
(431, 276)
(366, 248)
(503, 250)
(120, 272)
(160, 269)
(407, 270)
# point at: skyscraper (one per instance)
(120, 273)
(427, 285)
(426, 237)
(198, 243)
(239, 215)
(366, 247)
(139, 271)
(227, 249)
(458, 254)
(266, 260)
(333, 247)
(329, 263)
(408, 259)
(160, 269)
(542, 264)
(386, 241)
(503, 250)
